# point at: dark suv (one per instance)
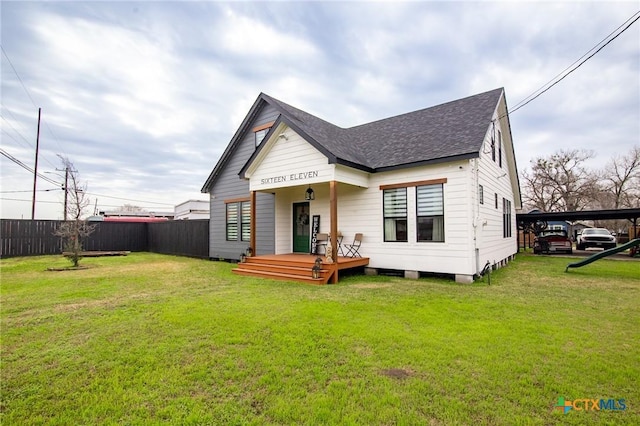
(595, 237)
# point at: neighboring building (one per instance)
(433, 190)
(192, 209)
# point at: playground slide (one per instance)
(601, 254)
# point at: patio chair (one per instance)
(353, 249)
(339, 238)
(321, 242)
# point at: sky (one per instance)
(143, 97)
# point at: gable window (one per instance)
(493, 148)
(238, 220)
(430, 212)
(260, 132)
(506, 218)
(481, 194)
(499, 148)
(395, 214)
(259, 135)
(496, 196)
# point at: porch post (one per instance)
(252, 226)
(333, 214)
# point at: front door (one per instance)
(301, 234)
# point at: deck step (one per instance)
(280, 275)
(290, 270)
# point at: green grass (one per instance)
(149, 339)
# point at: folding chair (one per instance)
(321, 242)
(353, 249)
(339, 238)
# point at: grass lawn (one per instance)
(148, 339)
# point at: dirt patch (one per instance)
(397, 373)
(69, 268)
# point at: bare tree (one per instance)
(620, 180)
(74, 230)
(560, 182)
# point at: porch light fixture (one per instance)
(309, 195)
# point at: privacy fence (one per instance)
(37, 237)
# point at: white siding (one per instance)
(289, 161)
(493, 247)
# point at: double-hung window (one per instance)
(499, 148)
(506, 218)
(238, 221)
(395, 214)
(430, 212)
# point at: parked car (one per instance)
(552, 241)
(595, 237)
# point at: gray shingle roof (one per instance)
(452, 130)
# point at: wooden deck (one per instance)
(297, 267)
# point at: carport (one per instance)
(535, 221)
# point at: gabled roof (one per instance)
(447, 132)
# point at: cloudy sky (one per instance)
(143, 97)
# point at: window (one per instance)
(395, 214)
(239, 221)
(245, 222)
(499, 148)
(232, 222)
(481, 194)
(506, 218)
(493, 148)
(260, 132)
(496, 196)
(430, 212)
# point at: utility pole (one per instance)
(66, 188)
(35, 170)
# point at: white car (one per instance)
(595, 237)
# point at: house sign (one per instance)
(290, 177)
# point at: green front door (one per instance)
(301, 228)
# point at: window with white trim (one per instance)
(395, 214)
(430, 212)
(499, 148)
(481, 194)
(506, 218)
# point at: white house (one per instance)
(432, 191)
(191, 209)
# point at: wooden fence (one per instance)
(179, 237)
(37, 237)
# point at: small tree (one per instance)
(74, 230)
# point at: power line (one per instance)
(28, 201)
(129, 199)
(579, 62)
(23, 138)
(31, 98)
(18, 75)
(29, 190)
(24, 166)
